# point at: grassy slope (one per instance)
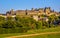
(56, 29)
(45, 36)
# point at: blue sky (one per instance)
(6, 5)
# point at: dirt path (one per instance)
(33, 34)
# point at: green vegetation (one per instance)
(24, 24)
(56, 29)
(45, 36)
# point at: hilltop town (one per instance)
(30, 21)
(34, 13)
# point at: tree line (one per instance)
(24, 24)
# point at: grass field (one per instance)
(56, 29)
(45, 36)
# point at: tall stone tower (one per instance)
(41, 11)
(32, 9)
(12, 12)
(26, 13)
(47, 10)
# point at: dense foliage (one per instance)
(23, 24)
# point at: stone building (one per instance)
(34, 13)
(47, 10)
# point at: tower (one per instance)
(32, 9)
(12, 12)
(26, 12)
(47, 10)
(41, 11)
